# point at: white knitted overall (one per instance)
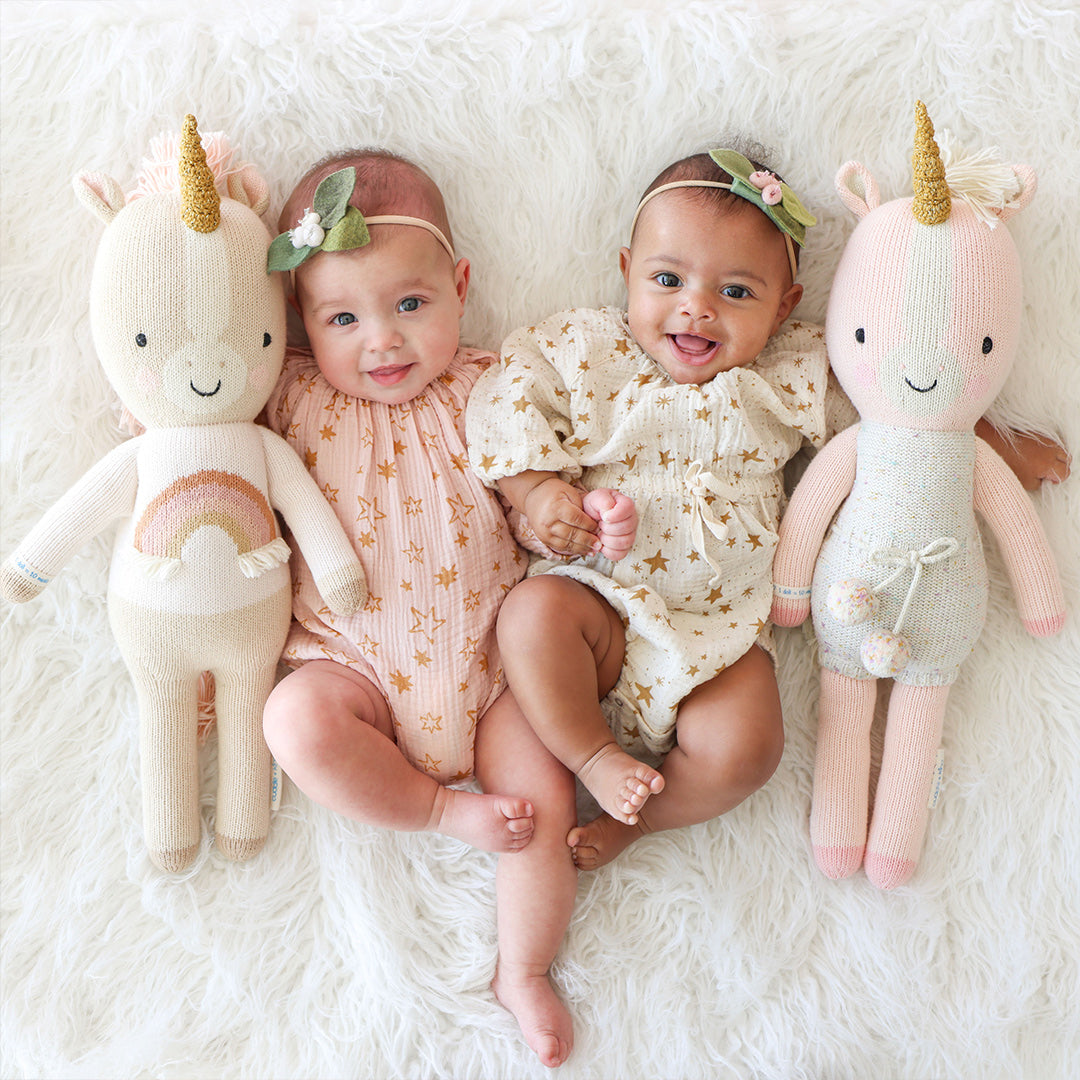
(912, 494)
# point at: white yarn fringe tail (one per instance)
(255, 563)
(161, 567)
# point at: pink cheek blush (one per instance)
(148, 382)
(258, 377)
(977, 386)
(865, 374)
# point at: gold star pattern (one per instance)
(644, 693)
(657, 562)
(401, 683)
(460, 509)
(427, 623)
(446, 576)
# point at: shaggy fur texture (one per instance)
(718, 951)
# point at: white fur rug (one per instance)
(717, 952)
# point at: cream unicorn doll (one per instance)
(191, 332)
(921, 330)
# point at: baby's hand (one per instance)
(616, 515)
(554, 512)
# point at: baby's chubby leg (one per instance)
(616, 516)
(535, 887)
(330, 729)
(730, 738)
(562, 648)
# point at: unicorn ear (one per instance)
(249, 188)
(860, 203)
(100, 194)
(1025, 174)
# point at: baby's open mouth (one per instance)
(692, 349)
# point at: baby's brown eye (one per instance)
(140, 340)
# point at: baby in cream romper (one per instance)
(703, 464)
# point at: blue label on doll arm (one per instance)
(30, 572)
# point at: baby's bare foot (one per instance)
(620, 783)
(542, 1017)
(490, 822)
(598, 842)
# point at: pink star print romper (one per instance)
(434, 545)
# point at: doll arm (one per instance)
(105, 492)
(338, 575)
(824, 486)
(1022, 539)
(1034, 458)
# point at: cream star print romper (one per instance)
(577, 395)
(434, 544)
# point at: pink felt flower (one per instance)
(772, 194)
(761, 178)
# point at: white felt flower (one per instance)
(309, 233)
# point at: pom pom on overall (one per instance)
(191, 332)
(921, 330)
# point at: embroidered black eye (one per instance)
(860, 335)
(266, 340)
(987, 345)
(140, 340)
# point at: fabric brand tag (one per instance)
(277, 780)
(935, 784)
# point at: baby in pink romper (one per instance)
(387, 709)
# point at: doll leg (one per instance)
(912, 737)
(535, 887)
(562, 649)
(842, 773)
(730, 737)
(242, 818)
(331, 731)
(168, 765)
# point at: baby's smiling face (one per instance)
(383, 320)
(706, 288)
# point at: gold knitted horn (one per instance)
(200, 200)
(932, 203)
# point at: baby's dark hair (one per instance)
(386, 183)
(702, 167)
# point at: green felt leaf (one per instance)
(350, 232)
(283, 256)
(332, 196)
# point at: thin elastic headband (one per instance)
(788, 242)
(399, 219)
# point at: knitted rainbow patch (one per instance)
(210, 497)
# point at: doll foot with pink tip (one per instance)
(888, 871)
(838, 862)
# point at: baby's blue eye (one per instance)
(343, 319)
(668, 280)
(410, 303)
(735, 292)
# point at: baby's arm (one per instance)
(554, 511)
(1034, 458)
(616, 516)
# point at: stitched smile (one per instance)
(921, 389)
(206, 393)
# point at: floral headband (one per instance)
(331, 224)
(764, 189)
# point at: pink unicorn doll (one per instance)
(921, 330)
(191, 332)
